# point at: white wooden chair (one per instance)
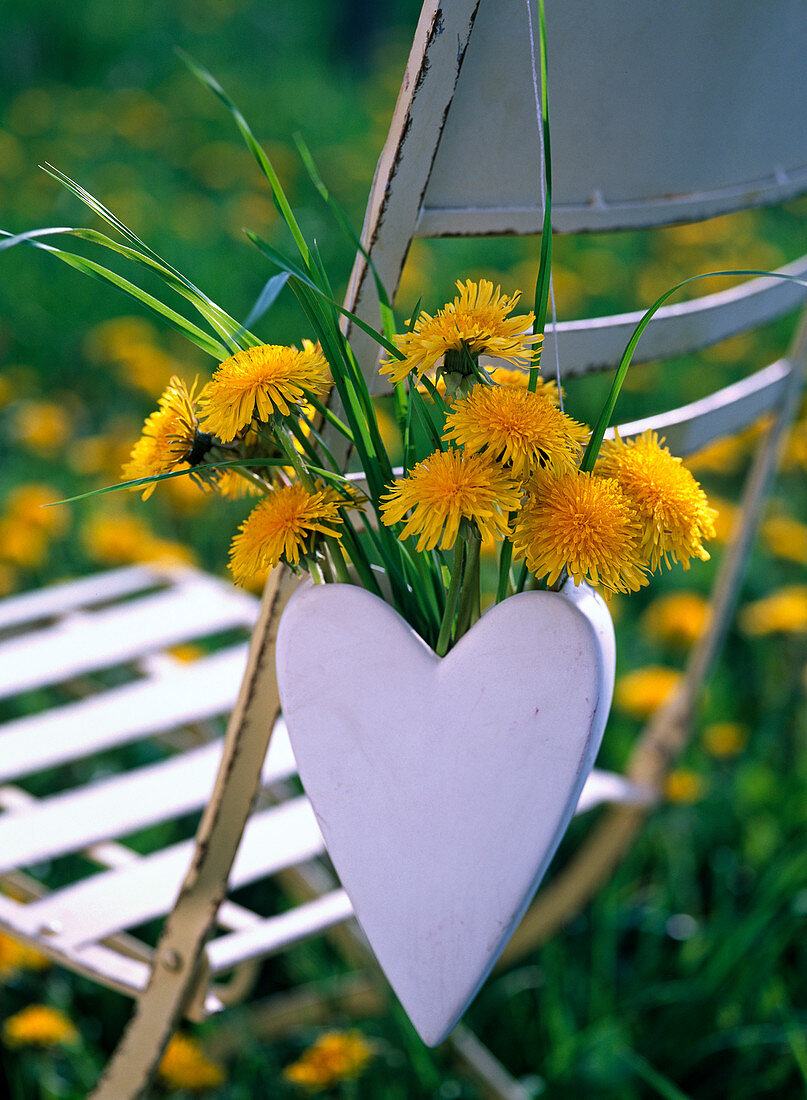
(107, 639)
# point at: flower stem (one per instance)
(505, 559)
(444, 637)
(469, 600)
(338, 559)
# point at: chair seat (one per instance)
(74, 638)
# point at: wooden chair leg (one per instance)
(179, 954)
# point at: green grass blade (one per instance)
(604, 419)
(387, 315)
(140, 482)
(545, 262)
(89, 267)
(257, 151)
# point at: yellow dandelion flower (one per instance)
(677, 619)
(505, 376)
(673, 509)
(184, 1065)
(232, 486)
(259, 382)
(16, 956)
(334, 1057)
(684, 785)
(33, 503)
(42, 426)
(475, 323)
(39, 1026)
(584, 523)
(786, 538)
(725, 739)
(170, 437)
(279, 528)
(444, 489)
(783, 612)
(518, 427)
(22, 544)
(643, 691)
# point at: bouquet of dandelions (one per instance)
(488, 453)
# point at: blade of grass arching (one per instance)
(646, 1073)
(435, 395)
(257, 151)
(545, 262)
(604, 419)
(323, 447)
(505, 561)
(264, 302)
(401, 397)
(424, 417)
(120, 227)
(328, 414)
(319, 267)
(387, 315)
(141, 482)
(224, 329)
(97, 271)
(285, 265)
(359, 558)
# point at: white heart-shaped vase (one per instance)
(443, 785)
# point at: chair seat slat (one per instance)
(277, 933)
(59, 599)
(191, 693)
(110, 901)
(725, 412)
(85, 643)
(114, 807)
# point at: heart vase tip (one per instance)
(443, 786)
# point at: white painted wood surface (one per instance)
(660, 113)
(443, 786)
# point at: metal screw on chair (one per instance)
(171, 960)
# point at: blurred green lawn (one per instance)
(686, 974)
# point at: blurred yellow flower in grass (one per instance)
(723, 456)
(795, 450)
(684, 785)
(39, 1026)
(22, 544)
(725, 739)
(783, 612)
(170, 437)
(446, 488)
(515, 426)
(8, 578)
(336, 1056)
(584, 523)
(16, 956)
(184, 1065)
(786, 538)
(677, 619)
(118, 539)
(673, 510)
(280, 527)
(6, 386)
(476, 323)
(42, 426)
(726, 518)
(259, 382)
(32, 503)
(643, 691)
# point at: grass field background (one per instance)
(685, 977)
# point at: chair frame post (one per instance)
(178, 966)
